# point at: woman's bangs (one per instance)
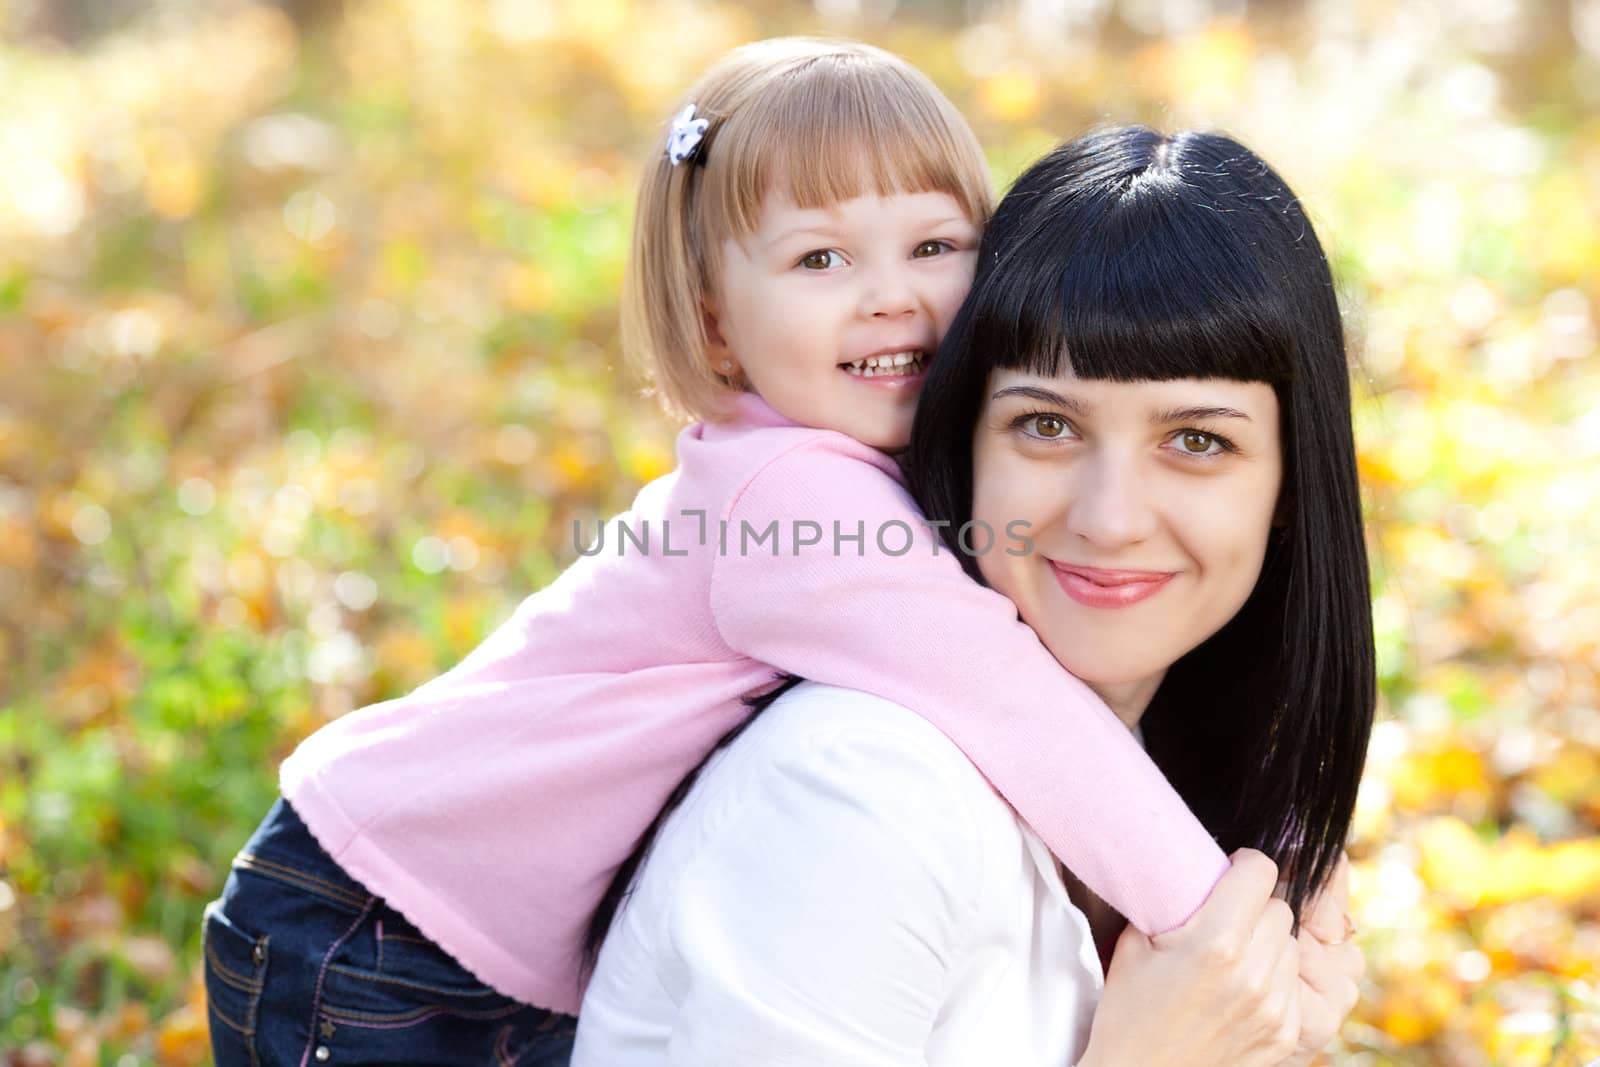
(1153, 292)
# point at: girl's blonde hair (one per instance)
(822, 120)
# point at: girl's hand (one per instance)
(1224, 989)
(1331, 966)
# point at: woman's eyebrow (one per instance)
(1186, 414)
(1046, 396)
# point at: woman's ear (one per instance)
(1283, 512)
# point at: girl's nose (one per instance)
(1108, 501)
(887, 292)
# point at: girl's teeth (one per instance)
(886, 366)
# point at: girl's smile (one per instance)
(892, 365)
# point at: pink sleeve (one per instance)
(915, 629)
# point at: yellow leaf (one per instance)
(1571, 778)
(1455, 862)
(647, 461)
(527, 288)
(1422, 781)
(130, 1022)
(84, 1051)
(182, 1040)
(1212, 65)
(172, 176)
(1012, 95)
(18, 548)
(1415, 1007)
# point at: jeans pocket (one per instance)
(405, 956)
(547, 1042)
(401, 999)
(235, 970)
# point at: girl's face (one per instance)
(832, 315)
(1148, 504)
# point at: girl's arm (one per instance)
(915, 629)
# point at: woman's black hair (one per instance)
(1132, 256)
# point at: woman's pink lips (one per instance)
(1099, 588)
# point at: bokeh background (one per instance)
(308, 360)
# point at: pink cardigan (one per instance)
(493, 804)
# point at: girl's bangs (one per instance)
(837, 136)
(1151, 290)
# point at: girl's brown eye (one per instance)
(928, 248)
(820, 260)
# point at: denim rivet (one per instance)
(322, 1054)
(259, 954)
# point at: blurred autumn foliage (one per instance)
(308, 360)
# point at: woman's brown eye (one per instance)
(1049, 426)
(1198, 442)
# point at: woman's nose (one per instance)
(1109, 502)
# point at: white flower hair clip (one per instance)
(685, 136)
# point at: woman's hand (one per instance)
(1224, 989)
(1330, 967)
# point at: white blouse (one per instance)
(842, 886)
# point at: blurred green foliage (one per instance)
(308, 361)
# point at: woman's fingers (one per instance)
(1224, 988)
(1351, 961)
(1324, 920)
(1319, 1022)
(1328, 990)
(1266, 973)
(1286, 981)
(1333, 971)
(1230, 914)
(1331, 966)
(1326, 916)
(1271, 945)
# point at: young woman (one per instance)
(1138, 429)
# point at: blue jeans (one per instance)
(304, 966)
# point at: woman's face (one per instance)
(1148, 505)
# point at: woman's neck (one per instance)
(1129, 699)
